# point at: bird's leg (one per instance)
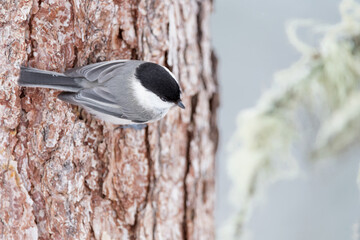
(133, 126)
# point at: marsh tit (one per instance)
(120, 91)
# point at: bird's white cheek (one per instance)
(163, 105)
(148, 99)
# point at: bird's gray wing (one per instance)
(102, 101)
(101, 71)
(111, 92)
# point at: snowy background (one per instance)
(251, 44)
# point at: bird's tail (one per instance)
(32, 77)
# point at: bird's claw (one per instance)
(133, 126)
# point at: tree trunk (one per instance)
(66, 175)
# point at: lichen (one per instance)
(325, 82)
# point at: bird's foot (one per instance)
(133, 126)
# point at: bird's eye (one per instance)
(162, 98)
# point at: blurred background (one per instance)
(322, 201)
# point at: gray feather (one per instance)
(95, 104)
(100, 72)
(31, 77)
(104, 88)
(78, 99)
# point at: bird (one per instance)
(122, 92)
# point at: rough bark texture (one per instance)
(66, 175)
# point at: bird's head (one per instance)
(161, 82)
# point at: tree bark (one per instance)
(67, 175)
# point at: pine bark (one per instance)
(67, 175)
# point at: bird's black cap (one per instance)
(156, 79)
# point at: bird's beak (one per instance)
(180, 104)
